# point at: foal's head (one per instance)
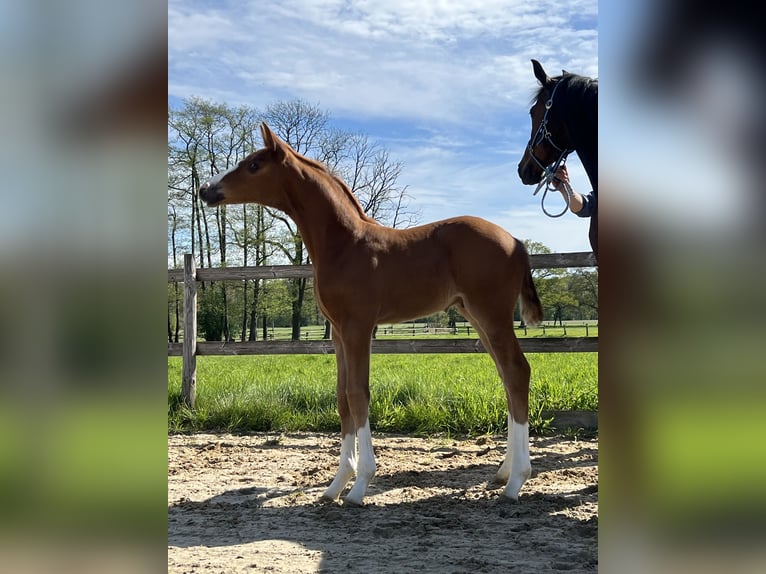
(550, 137)
(256, 179)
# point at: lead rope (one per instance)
(549, 174)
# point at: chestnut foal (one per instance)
(366, 274)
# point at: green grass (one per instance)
(419, 394)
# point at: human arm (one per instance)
(579, 204)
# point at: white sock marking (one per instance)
(366, 465)
(504, 472)
(521, 468)
(346, 468)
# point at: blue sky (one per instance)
(443, 85)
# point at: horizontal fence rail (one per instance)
(399, 346)
(190, 348)
(541, 261)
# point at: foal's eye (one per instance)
(253, 166)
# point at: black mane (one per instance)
(575, 86)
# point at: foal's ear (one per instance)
(271, 141)
(540, 74)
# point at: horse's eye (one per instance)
(253, 167)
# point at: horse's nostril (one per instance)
(210, 193)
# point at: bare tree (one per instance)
(173, 228)
(298, 123)
(373, 177)
(206, 138)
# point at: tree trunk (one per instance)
(297, 307)
(253, 311)
(253, 326)
(299, 289)
(178, 313)
(244, 283)
(207, 242)
(173, 229)
(226, 327)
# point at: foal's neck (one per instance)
(327, 214)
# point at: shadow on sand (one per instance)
(469, 529)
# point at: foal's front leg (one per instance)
(348, 460)
(356, 348)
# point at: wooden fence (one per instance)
(190, 348)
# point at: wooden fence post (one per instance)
(189, 377)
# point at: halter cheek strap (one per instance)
(543, 134)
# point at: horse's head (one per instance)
(256, 179)
(550, 140)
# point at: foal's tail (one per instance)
(531, 308)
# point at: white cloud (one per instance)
(564, 234)
(383, 59)
(446, 181)
(443, 85)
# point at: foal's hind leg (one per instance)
(499, 340)
(516, 467)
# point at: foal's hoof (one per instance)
(325, 499)
(505, 499)
(352, 502)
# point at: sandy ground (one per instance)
(251, 504)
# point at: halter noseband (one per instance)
(543, 134)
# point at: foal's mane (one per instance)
(319, 166)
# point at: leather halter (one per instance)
(542, 134)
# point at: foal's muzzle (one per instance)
(211, 194)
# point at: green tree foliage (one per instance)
(566, 294)
(211, 314)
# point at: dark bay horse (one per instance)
(564, 119)
(365, 274)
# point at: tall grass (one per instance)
(420, 394)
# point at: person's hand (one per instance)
(561, 176)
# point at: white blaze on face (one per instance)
(219, 176)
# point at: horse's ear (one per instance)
(269, 139)
(540, 74)
(272, 142)
(564, 72)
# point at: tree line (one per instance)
(205, 138)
